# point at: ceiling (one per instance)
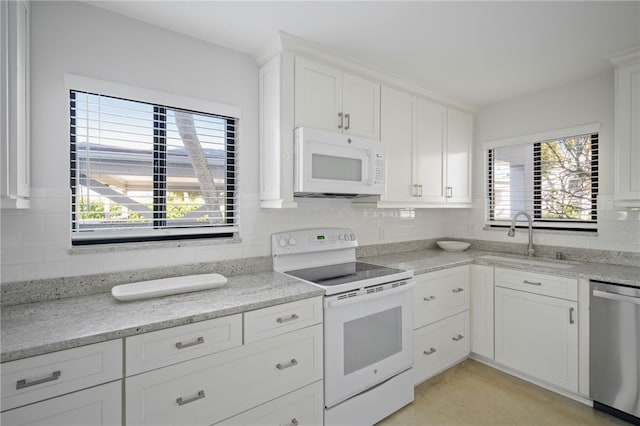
(474, 52)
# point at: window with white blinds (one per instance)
(145, 172)
(555, 181)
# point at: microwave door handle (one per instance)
(334, 303)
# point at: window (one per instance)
(144, 172)
(555, 180)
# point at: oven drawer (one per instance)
(212, 388)
(40, 377)
(440, 345)
(279, 319)
(160, 348)
(533, 282)
(440, 294)
(302, 407)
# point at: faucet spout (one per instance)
(512, 230)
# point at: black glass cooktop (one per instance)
(343, 273)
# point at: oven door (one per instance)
(368, 339)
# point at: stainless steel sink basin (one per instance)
(527, 261)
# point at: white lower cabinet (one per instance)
(301, 407)
(212, 388)
(538, 336)
(99, 406)
(481, 310)
(440, 345)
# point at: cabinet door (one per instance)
(537, 335)
(14, 101)
(318, 95)
(361, 106)
(481, 289)
(459, 149)
(397, 131)
(430, 151)
(628, 133)
(98, 406)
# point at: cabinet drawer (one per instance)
(98, 406)
(274, 320)
(440, 345)
(33, 379)
(533, 282)
(440, 294)
(302, 407)
(165, 347)
(215, 387)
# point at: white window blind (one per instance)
(144, 172)
(555, 181)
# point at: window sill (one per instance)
(150, 245)
(578, 233)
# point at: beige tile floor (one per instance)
(474, 394)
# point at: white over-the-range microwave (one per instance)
(328, 164)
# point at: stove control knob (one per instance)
(353, 237)
(292, 242)
(340, 237)
(347, 237)
(282, 242)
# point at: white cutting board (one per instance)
(167, 286)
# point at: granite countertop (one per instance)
(31, 329)
(430, 260)
(37, 328)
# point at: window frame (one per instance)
(537, 139)
(157, 99)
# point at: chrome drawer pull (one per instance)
(291, 364)
(294, 422)
(457, 290)
(430, 298)
(198, 341)
(432, 350)
(282, 320)
(531, 282)
(458, 337)
(181, 401)
(21, 384)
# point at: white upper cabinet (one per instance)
(15, 182)
(428, 148)
(627, 128)
(326, 98)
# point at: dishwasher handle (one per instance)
(616, 297)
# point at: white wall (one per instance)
(72, 37)
(574, 104)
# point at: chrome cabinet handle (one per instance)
(290, 364)
(430, 351)
(348, 117)
(419, 190)
(571, 320)
(182, 401)
(428, 299)
(458, 337)
(416, 192)
(198, 341)
(457, 290)
(294, 422)
(531, 282)
(341, 120)
(282, 320)
(449, 191)
(23, 383)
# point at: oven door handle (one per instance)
(335, 302)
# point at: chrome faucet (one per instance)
(512, 231)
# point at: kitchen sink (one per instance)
(527, 261)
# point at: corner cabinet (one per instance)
(428, 148)
(330, 99)
(627, 128)
(15, 182)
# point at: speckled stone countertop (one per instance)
(41, 327)
(430, 260)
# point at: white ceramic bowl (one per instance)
(453, 245)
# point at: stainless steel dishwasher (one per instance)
(615, 349)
